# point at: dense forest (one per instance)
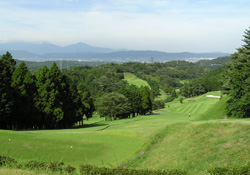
(54, 98)
(50, 98)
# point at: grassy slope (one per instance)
(197, 147)
(132, 79)
(170, 140)
(162, 96)
(5, 171)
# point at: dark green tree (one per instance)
(132, 93)
(24, 84)
(146, 103)
(238, 76)
(113, 106)
(7, 95)
(42, 97)
(72, 106)
(49, 99)
(247, 39)
(174, 94)
(86, 100)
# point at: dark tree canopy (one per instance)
(7, 95)
(238, 81)
(246, 39)
(113, 106)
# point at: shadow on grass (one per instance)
(92, 125)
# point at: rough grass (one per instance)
(132, 79)
(197, 147)
(171, 140)
(5, 171)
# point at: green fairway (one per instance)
(170, 140)
(162, 96)
(132, 79)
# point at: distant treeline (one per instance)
(214, 63)
(34, 66)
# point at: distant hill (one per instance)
(214, 63)
(82, 51)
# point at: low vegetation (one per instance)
(198, 134)
(169, 141)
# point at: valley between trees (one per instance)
(145, 117)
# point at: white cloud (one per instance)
(157, 25)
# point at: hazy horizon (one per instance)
(163, 25)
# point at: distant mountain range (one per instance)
(82, 51)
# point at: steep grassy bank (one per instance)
(198, 146)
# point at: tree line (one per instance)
(54, 99)
(114, 98)
(237, 80)
(48, 99)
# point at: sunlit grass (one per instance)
(132, 79)
(171, 140)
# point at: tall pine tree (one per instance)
(7, 95)
(24, 84)
(238, 79)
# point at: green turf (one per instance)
(171, 140)
(162, 96)
(132, 79)
(197, 147)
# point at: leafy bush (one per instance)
(55, 166)
(7, 161)
(69, 169)
(158, 104)
(169, 99)
(91, 170)
(230, 170)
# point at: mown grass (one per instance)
(132, 79)
(73, 147)
(170, 140)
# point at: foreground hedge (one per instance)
(59, 167)
(91, 170)
(35, 165)
(245, 170)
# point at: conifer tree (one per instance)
(246, 39)
(238, 78)
(24, 84)
(7, 95)
(54, 105)
(87, 100)
(42, 97)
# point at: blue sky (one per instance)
(165, 25)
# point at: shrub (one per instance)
(169, 99)
(69, 169)
(230, 170)
(55, 166)
(158, 104)
(91, 170)
(7, 161)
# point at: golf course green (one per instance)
(165, 140)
